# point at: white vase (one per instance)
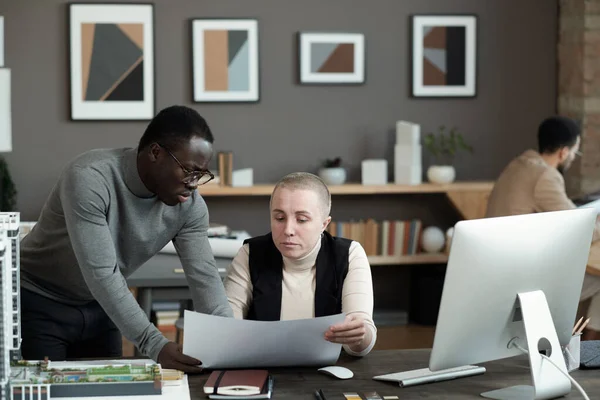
(441, 174)
(333, 176)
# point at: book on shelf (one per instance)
(381, 238)
(166, 314)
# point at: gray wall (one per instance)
(293, 127)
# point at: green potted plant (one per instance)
(8, 192)
(332, 172)
(444, 147)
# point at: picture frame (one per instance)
(444, 55)
(1, 41)
(6, 144)
(111, 59)
(225, 60)
(331, 58)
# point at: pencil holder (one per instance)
(572, 352)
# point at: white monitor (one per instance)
(514, 282)
(595, 204)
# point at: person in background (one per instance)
(110, 211)
(298, 270)
(533, 182)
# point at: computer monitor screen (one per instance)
(491, 261)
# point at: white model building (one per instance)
(10, 326)
(42, 379)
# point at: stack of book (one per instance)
(381, 238)
(166, 314)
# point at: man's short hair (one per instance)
(307, 181)
(174, 126)
(556, 132)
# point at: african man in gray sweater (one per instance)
(110, 211)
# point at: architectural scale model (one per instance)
(44, 379)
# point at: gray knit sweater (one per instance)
(99, 224)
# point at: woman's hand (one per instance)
(351, 332)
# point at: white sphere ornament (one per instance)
(433, 239)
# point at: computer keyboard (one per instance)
(425, 375)
(419, 373)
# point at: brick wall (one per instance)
(579, 86)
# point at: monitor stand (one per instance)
(548, 381)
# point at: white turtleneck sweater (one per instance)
(298, 288)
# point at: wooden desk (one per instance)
(300, 383)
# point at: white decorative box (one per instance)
(374, 172)
(408, 175)
(408, 133)
(407, 155)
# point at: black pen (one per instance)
(318, 394)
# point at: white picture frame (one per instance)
(5, 111)
(331, 58)
(444, 55)
(1, 41)
(225, 60)
(116, 83)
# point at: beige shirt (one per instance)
(298, 288)
(529, 185)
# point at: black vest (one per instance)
(266, 265)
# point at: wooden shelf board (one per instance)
(413, 259)
(352, 189)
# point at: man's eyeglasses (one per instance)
(202, 177)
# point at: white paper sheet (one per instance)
(221, 342)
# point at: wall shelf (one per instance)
(351, 189)
(440, 258)
(469, 198)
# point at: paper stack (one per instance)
(408, 168)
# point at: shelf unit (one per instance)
(352, 189)
(440, 258)
(469, 199)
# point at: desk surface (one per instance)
(300, 383)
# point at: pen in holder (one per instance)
(572, 352)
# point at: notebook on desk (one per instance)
(425, 375)
(239, 384)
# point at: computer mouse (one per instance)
(337, 372)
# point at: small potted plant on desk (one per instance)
(443, 147)
(332, 172)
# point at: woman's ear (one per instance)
(325, 224)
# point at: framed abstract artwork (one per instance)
(112, 61)
(444, 55)
(225, 60)
(331, 58)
